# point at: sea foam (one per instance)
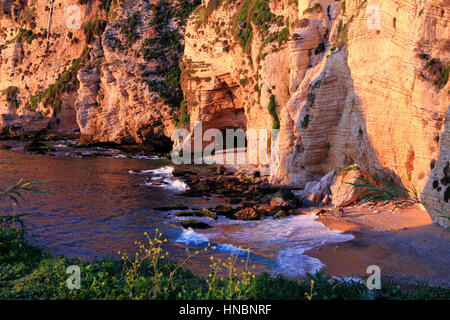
(285, 239)
(163, 178)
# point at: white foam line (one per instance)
(189, 236)
(163, 178)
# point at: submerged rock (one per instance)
(184, 214)
(180, 172)
(279, 214)
(224, 211)
(206, 213)
(174, 207)
(195, 224)
(37, 147)
(294, 212)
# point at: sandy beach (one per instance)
(404, 244)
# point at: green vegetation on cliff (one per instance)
(184, 116)
(67, 81)
(252, 11)
(166, 47)
(92, 28)
(11, 95)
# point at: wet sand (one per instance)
(404, 244)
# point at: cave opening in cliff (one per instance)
(234, 138)
(231, 124)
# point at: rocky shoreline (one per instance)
(247, 195)
(404, 242)
(251, 196)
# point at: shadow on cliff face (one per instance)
(436, 192)
(332, 133)
(331, 128)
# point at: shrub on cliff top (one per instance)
(106, 4)
(445, 73)
(11, 95)
(342, 34)
(315, 7)
(305, 121)
(283, 35)
(10, 92)
(438, 72)
(343, 7)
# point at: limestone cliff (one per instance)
(106, 71)
(361, 82)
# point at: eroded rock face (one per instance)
(115, 101)
(436, 193)
(225, 85)
(103, 79)
(352, 106)
(359, 85)
(27, 66)
(343, 190)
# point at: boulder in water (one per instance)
(174, 207)
(246, 214)
(206, 213)
(37, 147)
(224, 211)
(184, 214)
(194, 224)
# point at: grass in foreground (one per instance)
(27, 272)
